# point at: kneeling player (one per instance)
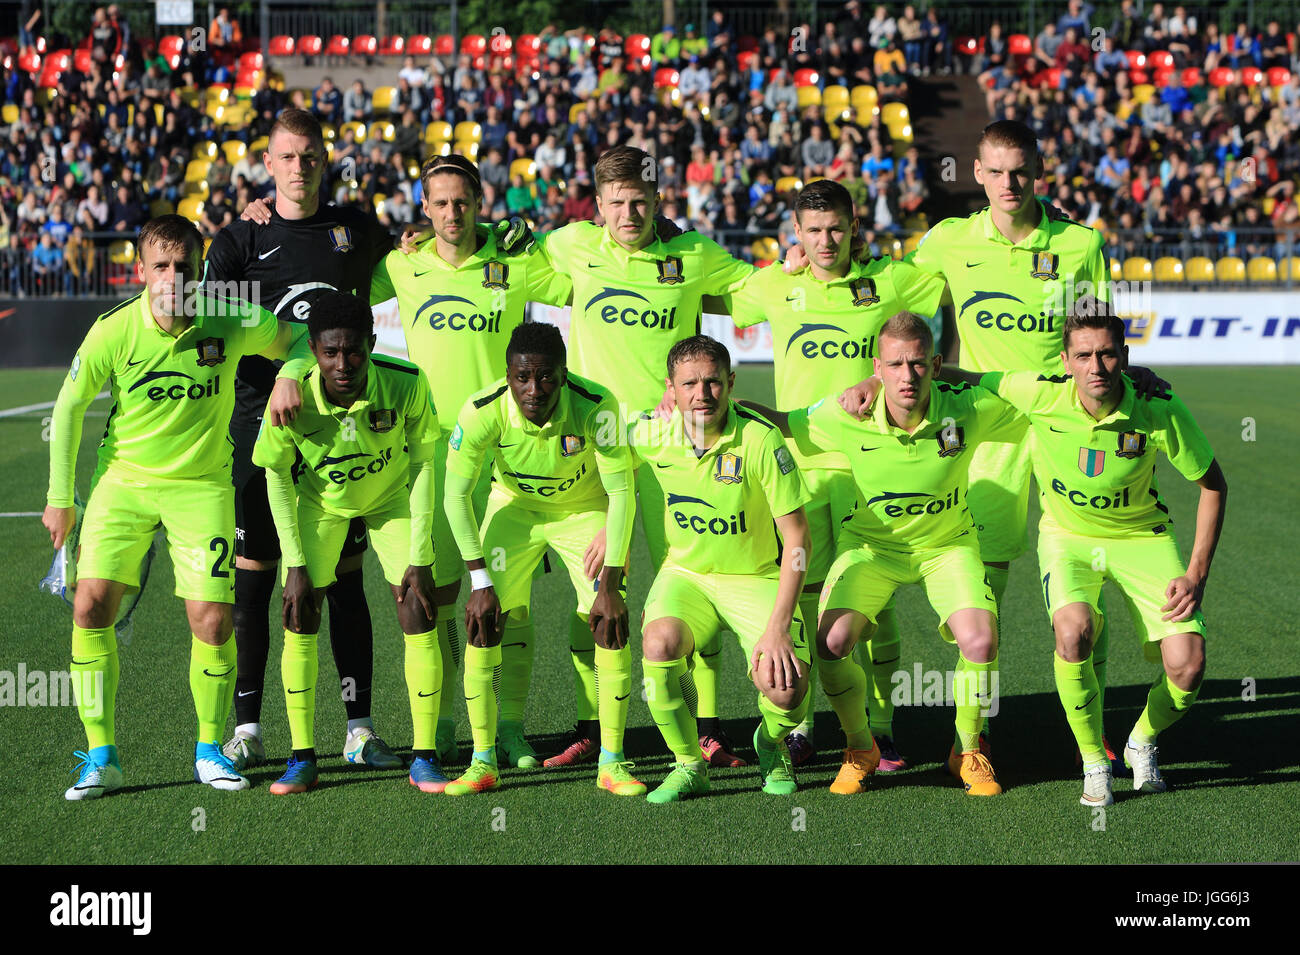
(1094, 453)
(164, 460)
(911, 525)
(365, 436)
(726, 477)
(563, 478)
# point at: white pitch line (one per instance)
(21, 513)
(25, 409)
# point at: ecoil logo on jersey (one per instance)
(1008, 313)
(175, 391)
(701, 524)
(815, 341)
(442, 312)
(929, 504)
(616, 309)
(1098, 502)
(527, 482)
(374, 464)
(77, 908)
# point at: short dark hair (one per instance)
(168, 232)
(1088, 311)
(1009, 134)
(537, 338)
(456, 165)
(627, 165)
(299, 122)
(334, 309)
(909, 327)
(824, 195)
(699, 346)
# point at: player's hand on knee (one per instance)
(285, 403)
(857, 399)
(1184, 598)
(1145, 381)
(417, 587)
(413, 238)
(59, 522)
(593, 558)
(258, 211)
(609, 620)
(484, 621)
(301, 614)
(774, 660)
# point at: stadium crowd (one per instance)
(1196, 141)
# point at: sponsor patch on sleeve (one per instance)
(76, 366)
(456, 435)
(783, 460)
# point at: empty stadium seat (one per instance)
(381, 101)
(766, 249)
(392, 46)
(1136, 59)
(1191, 76)
(365, 45)
(1168, 269)
(206, 150)
(466, 148)
(251, 61)
(474, 44)
(1278, 76)
(1160, 60)
(808, 96)
(1230, 269)
(9, 114)
(667, 76)
(1161, 78)
(170, 46)
(835, 97)
(1252, 76)
(806, 77)
(122, 252)
(1143, 93)
(524, 167)
(1288, 269)
(528, 45)
(259, 146)
(234, 150)
(29, 60)
(439, 131)
(196, 170)
(191, 207)
(895, 114)
(281, 46)
(358, 130)
(1018, 44)
(864, 99)
(309, 45)
(1116, 271)
(1199, 269)
(421, 45)
(1221, 76)
(381, 130)
(789, 184)
(468, 131)
(338, 46)
(81, 60)
(912, 242)
(745, 60)
(1261, 269)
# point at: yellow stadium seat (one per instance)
(191, 207)
(205, 150)
(895, 113)
(1199, 269)
(122, 252)
(234, 150)
(809, 96)
(1168, 269)
(911, 242)
(575, 109)
(437, 149)
(197, 170)
(328, 131)
(466, 148)
(765, 249)
(1137, 269)
(159, 113)
(1289, 269)
(259, 146)
(524, 167)
(382, 130)
(358, 130)
(469, 132)
(10, 113)
(1230, 269)
(788, 184)
(382, 100)
(191, 97)
(1268, 205)
(1143, 93)
(836, 98)
(892, 247)
(219, 94)
(1116, 271)
(160, 207)
(438, 132)
(1261, 269)
(864, 98)
(379, 201)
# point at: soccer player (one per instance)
(461, 294)
(825, 321)
(564, 479)
(168, 356)
(737, 554)
(911, 524)
(309, 247)
(1095, 443)
(365, 437)
(635, 296)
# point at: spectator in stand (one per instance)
(910, 32)
(891, 87)
(1046, 44)
(224, 32)
(217, 213)
(519, 197)
(104, 38)
(92, 211)
(817, 152)
(494, 129)
(47, 265)
(550, 156)
(1128, 26)
(327, 101)
(609, 46)
(221, 172)
(425, 104)
(995, 50)
(79, 260)
(56, 226)
(665, 48)
(888, 58)
(583, 78)
(408, 134)
(1156, 32)
(1073, 55)
(755, 150)
(1174, 96)
(469, 101)
(1113, 168)
(414, 75)
(1111, 59)
(1075, 17)
(692, 43)
(717, 28)
(356, 103)
(912, 192)
(936, 53)
(397, 210)
(1273, 50)
(881, 26)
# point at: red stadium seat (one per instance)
(1160, 60)
(49, 78)
(636, 46)
(81, 60)
(500, 45)
(480, 62)
(666, 76)
(967, 45)
(1139, 77)
(171, 45)
(29, 60)
(59, 61)
(338, 46)
(421, 45)
(474, 44)
(1252, 75)
(246, 79)
(251, 61)
(528, 46)
(1052, 78)
(310, 45)
(281, 46)
(365, 45)
(1136, 59)
(1278, 76)
(1191, 76)
(1161, 78)
(1221, 76)
(805, 77)
(392, 46)
(745, 59)
(1018, 44)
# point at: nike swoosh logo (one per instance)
(247, 692)
(576, 650)
(132, 364)
(663, 465)
(1057, 430)
(310, 434)
(303, 690)
(593, 265)
(500, 445)
(840, 693)
(268, 254)
(876, 663)
(623, 697)
(222, 673)
(971, 265)
(519, 644)
(422, 693)
(359, 540)
(468, 698)
(791, 298)
(82, 663)
(1086, 702)
(865, 448)
(416, 275)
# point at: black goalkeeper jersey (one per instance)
(292, 261)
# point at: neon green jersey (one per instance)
(577, 461)
(359, 460)
(719, 507)
(1011, 300)
(630, 308)
(911, 487)
(1098, 478)
(824, 333)
(457, 320)
(172, 395)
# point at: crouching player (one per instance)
(911, 525)
(563, 478)
(1094, 453)
(729, 486)
(365, 439)
(169, 358)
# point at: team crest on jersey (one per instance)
(1045, 266)
(864, 292)
(1091, 462)
(212, 351)
(383, 420)
(727, 470)
(1132, 444)
(952, 442)
(570, 444)
(670, 271)
(494, 275)
(341, 236)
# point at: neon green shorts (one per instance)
(834, 493)
(448, 568)
(999, 498)
(1073, 568)
(864, 580)
(650, 502)
(199, 517)
(707, 603)
(323, 536)
(515, 539)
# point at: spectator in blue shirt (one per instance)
(1076, 15)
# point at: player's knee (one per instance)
(412, 618)
(1074, 638)
(662, 643)
(1187, 671)
(93, 608)
(784, 699)
(212, 623)
(445, 596)
(836, 642)
(979, 644)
